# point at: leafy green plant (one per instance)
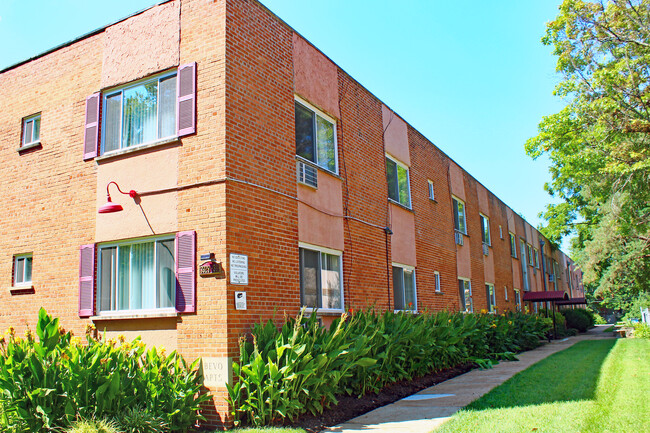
(577, 319)
(51, 379)
(641, 330)
(302, 367)
(138, 419)
(93, 426)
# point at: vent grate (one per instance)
(307, 174)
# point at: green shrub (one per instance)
(641, 330)
(93, 426)
(577, 319)
(598, 319)
(52, 380)
(138, 419)
(301, 367)
(560, 322)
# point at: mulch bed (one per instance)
(351, 407)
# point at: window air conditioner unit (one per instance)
(307, 174)
(486, 250)
(459, 238)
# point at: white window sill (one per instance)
(324, 311)
(28, 146)
(396, 203)
(135, 315)
(22, 288)
(135, 149)
(317, 167)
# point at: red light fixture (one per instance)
(111, 207)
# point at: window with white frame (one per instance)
(459, 215)
(529, 251)
(315, 136)
(491, 298)
(465, 293)
(22, 270)
(397, 175)
(139, 113)
(404, 293)
(505, 290)
(513, 245)
(436, 275)
(432, 195)
(136, 275)
(517, 300)
(500, 232)
(485, 229)
(536, 255)
(321, 282)
(31, 130)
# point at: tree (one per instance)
(599, 144)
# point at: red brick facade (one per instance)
(233, 182)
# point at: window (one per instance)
(500, 232)
(432, 195)
(517, 300)
(137, 275)
(459, 215)
(31, 130)
(491, 298)
(315, 136)
(505, 290)
(22, 270)
(398, 182)
(404, 287)
(436, 275)
(485, 229)
(536, 251)
(139, 113)
(465, 292)
(529, 252)
(513, 245)
(321, 285)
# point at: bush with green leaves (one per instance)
(52, 379)
(93, 426)
(302, 367)
(641, 330)
(577, 319)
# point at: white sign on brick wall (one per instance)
(238, 269)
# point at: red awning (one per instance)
(558, 295)
(572, 301)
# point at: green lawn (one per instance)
(594, 386)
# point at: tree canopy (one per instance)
(599, 144)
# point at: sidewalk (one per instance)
(431, 407)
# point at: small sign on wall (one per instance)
(211, 269)
(238, 269)
(240, 300)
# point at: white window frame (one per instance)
(529, 252)
(513, 245)
(24, 282)
(415, 287)
(33, 141)
(432, 193)
(464, 231)
(408, 181)
(332, 252)
(125, 242)
(484, 217)
(491, 297)
(329, 119)
(121, 89)
(536, 257)
(517, 299)
(464, 299)
(438, 286)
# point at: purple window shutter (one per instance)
(185, 272)
(91, 132)
(87, 280)
(186, 99)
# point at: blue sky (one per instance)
(472, 76)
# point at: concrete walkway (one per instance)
(431, 407)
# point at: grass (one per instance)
(595, 386)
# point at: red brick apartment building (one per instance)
(262, 172)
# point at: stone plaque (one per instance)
(216, 372)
